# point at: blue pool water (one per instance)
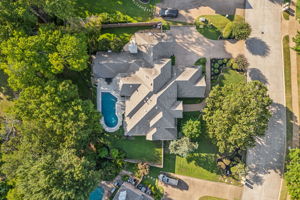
(97, 194)
(108, 108)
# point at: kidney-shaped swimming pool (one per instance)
(108, 109)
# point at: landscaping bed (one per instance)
(215, 25)
(217, 65)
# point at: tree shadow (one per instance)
(268, 154)
(256, 74)
(257, 47)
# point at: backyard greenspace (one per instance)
(138, 148)
(215, 25)
(5, 93)
(200, 164)
(111, 6)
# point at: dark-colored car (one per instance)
(168, 12)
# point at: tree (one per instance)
(241, 30)
(53, 175)
(192, 128)
(236, 113)
(296, 39)
(240, 63)
(143, 169)
(32, 60)
(293, 173)
(182, 147)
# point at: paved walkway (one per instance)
(264, 52)
(193, 189)
(290, 28)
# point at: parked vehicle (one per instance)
(168, 12)
(168, 180)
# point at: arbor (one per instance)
(192, 128)
(30, 60)
(293, 173)
(236, 113)
(182, 147)
(241, 30)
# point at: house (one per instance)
(149, 85)
(129, 192)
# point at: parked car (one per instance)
(168, 180)
(168, 12)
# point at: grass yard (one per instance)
(201, 164)
(210, 198)
(216, 23)
(138, 148)
(284, 191)
(230, 76)
(110, 6)
(298, 78)
(288, 89)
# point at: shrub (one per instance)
(173, 60)
(227, 30)
(241, 63)
(230, 62)
(109, 41)
(241, 30)
(125, 177)
(117, 17)
(220, 62)
(225, 60)
(216, 66)
(216, 71)
(201, 61)
(103, 152)
(192, 128)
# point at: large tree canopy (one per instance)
(235, 114)
(31, 60)
(293, 173)
(56, 105)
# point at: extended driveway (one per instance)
(190, 45)
(264, 53)
(192, 189)
(189, 10)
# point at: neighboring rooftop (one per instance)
(129, 192)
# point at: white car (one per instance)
(168, 180)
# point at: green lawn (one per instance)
(230, 76)
(6, 93)
(288, 89)
(110, 6)
(210, 198)
(216, 24)
(138, 148)
(200, 164)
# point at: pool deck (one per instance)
(102, 86)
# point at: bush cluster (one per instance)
(241, 30)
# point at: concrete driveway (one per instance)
(189, 10)
(190, 45)
(264, 53)
(193, 189)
